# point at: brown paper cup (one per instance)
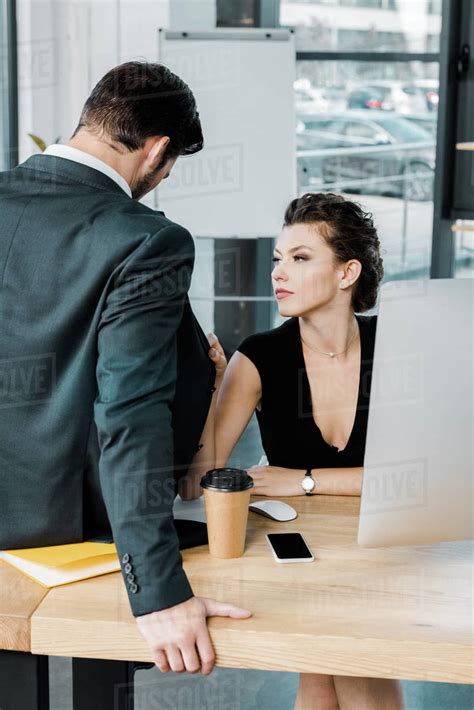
(226, 515)
(227, 511)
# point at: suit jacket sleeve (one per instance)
(136, 376)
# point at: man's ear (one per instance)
(156, 150)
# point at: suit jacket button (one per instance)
(130, 577)
(213, 389)
(133, 588)
(127, 568)
(126, 558)
(199, 447)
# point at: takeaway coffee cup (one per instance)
(226, 499)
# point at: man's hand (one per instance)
(178, 637)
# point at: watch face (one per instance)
(308, 483)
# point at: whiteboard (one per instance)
(241, 182)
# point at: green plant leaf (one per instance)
(38, 141)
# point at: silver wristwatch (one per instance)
(308, 483)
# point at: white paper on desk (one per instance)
(189, 509)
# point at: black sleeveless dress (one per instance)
(290, 436)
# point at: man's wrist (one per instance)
(168, 604)
(149, 614)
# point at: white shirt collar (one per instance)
(79, 156)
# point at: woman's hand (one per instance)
(217, 355)
(276, 481)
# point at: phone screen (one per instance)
(289, 546)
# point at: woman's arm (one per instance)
(240, 393)
(279, 481)
(339, 481)
(204, 459)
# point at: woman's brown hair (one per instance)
(350, 233)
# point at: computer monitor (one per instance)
(417, 482)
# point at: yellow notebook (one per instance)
(62, 564)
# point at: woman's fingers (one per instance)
(257, 471)
(216, 352)
(215, 344)
(260, 479)
(213, 340)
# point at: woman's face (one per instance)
(304, 266)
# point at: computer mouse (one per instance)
(274, 509)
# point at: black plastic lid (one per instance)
(227, 480)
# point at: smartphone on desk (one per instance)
(289, 547)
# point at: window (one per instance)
(464, 249)
(236, 13)
(363, 25)
(380, 147)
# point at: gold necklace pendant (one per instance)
(331, 355)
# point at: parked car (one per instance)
(427, 121)
(381, 153)
(429, 89)
(335, 96)
(308, 100)
(402, 97)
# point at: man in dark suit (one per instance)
(107, 381)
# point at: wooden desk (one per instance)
(400, 612)
(19, 597)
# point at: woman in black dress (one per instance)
(309, 382)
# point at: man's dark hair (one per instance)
(350, 233)
(136, 100)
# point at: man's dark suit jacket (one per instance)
(105, 380)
